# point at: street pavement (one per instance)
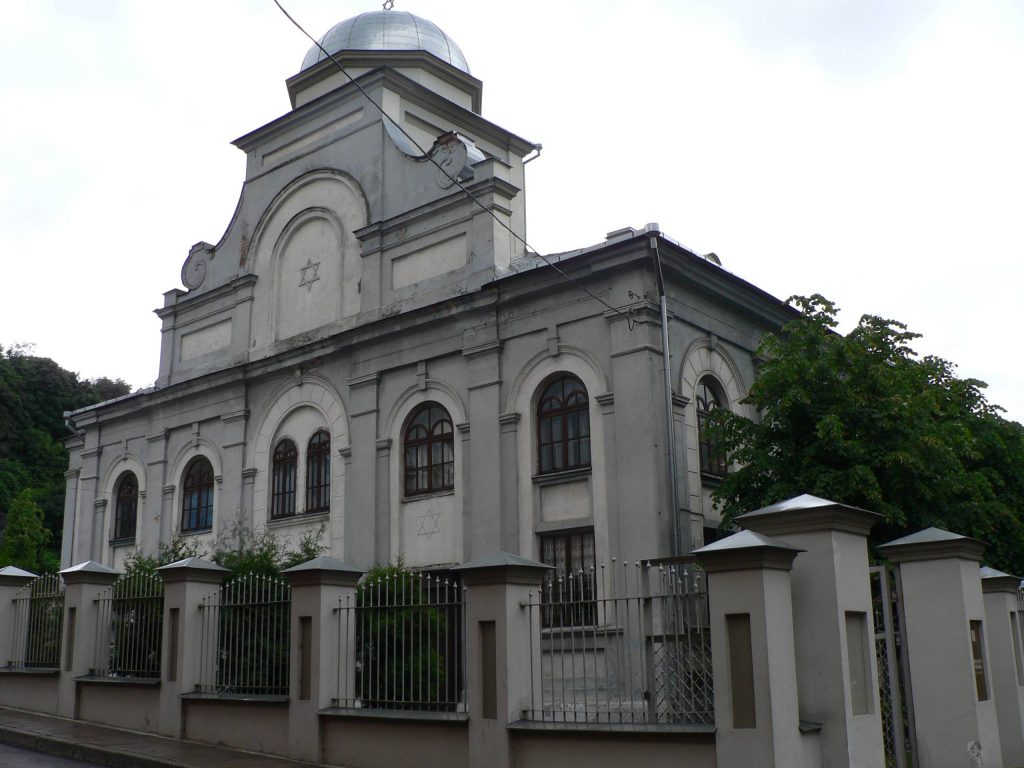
(16, 757)
(92, 744)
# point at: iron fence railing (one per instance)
(245, 638)
(627, 644)
(38, 624)
(128, 627)
(402, 644)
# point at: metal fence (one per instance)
(128, 627)
(245, 638)
(626, 644)
(38, 623)
(402, 644)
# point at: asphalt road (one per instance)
(15, 757)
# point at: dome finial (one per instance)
(389, 4)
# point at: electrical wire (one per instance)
(450, 177)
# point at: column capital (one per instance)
(933, 544)
(323, 570)
(807, 513)
(502, 568)
(745, 551)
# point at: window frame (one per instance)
(318, 472)
(125, 519)
(556, 611)
(284, 475)
(439, 435)
(713, 461)
(193, 489)
(563, 419)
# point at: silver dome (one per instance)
(387, 31)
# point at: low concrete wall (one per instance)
(611, 749)
(123, 705)
(364, 742)
(35, 692)
(257, 726)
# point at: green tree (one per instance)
(34, 393)
(861, 419)
(25, 536)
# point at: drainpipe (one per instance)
(667, 358)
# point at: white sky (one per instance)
(868, 150)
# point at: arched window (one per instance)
(197, 497)
(126, 506)
(318, 472)
(282, 495)
(712, 457)
(563, 425)
(429, 451)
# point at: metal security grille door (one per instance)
(893, 679)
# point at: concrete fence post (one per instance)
(320, 587)
(947, 649)
(186, 583)
(499, 668)
(836, 669)
(1003, 620)
(752, 651)
(12, 581)
(82, 586)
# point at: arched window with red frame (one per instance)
(318, 472)
(283, 473)
(429, 445)
(197, 496)
(563, 425)
(126, 506)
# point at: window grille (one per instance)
(129, 627)
(38, 624)
(402, 644)
(645, 660)
(568, 591)
(245, 638)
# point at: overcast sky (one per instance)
(868, 150)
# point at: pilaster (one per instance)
(320, 588)
(82, 586)
(186, 583)
(947, 647)
(499, 667)
(753, 651)
(837, 675)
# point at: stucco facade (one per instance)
(356, 287)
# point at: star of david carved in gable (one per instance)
(429, 523)
(310, 274)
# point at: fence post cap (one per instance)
(502, 566)
(192, 569)
(13, 576)
(89, 572)
(747, 550)
(323, 570)
(997, 581)
(933, 544)
(808, 513)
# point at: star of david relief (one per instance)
(310, 274)
(430, 523)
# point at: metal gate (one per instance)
(893, 671)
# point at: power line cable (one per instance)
(453, 179)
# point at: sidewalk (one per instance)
(118, 748)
